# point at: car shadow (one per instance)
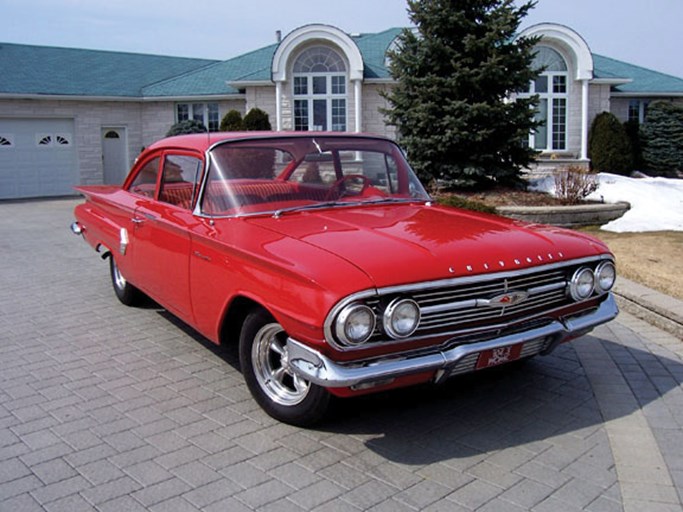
(522, 404)
(518, 405)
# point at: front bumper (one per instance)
(319, 369)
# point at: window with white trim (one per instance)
(320, 91)
(551, 86)
(206, 113)
(637, 110)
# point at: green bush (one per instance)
(633, 132)
(609, 147)
(232, 122)
(256, 120)
(187, 126)
(662, 138)
(465, 204)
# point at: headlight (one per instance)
(582, 284)
(605, 275)
(401, 318)
(355, 324)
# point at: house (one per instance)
(74, 116)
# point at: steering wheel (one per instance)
(340, 187)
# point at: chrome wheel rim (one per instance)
(119, 280)
(272, 368)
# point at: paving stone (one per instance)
(113, 408)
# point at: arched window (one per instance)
(551, 86)
(319, 88)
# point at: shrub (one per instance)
(662, 138)
(574, 184)
(608, 145)
(466, 204)
(187, 126)
(256, 120)
(633, 132)
(232, 122)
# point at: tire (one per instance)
(280, 393)
(125, 292)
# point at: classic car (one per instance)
(323, 257)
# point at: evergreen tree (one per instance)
(609, 147)
(231, 122)
(662, 138)
(455, 78)
(256, 120)
(187, 126)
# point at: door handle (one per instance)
(135, 220)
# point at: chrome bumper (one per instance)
(319, 369)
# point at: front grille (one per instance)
(457, 307)
(463, 306)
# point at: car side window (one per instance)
(145, 182)
(179, 180)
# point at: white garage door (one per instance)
(37, 158)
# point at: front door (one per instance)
(114, 155)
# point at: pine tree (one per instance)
(662, 138)
(609, 147)
(256, 120)
(456, 75)
(232, 122)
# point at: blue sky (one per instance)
(646, 33)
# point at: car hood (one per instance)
(400, 244)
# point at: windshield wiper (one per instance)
(326, 204)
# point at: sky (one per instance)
(641, 32)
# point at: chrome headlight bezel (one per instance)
(343, 323)
(582, 284)
(393, 315)
(605, 276)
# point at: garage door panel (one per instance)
(42, 159)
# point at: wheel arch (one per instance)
(234, 316)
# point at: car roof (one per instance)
(204, 141)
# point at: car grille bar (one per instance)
(455, 306)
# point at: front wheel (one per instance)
(125, 292)
(264, 359)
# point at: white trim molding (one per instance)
(309, 33)
(567, 40)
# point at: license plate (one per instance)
(501, 355)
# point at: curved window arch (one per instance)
(551, 86)
(319, 59)
(319, 88)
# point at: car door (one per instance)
(162, 239)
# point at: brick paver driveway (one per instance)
(104, 407)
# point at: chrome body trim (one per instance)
(434, 315)
(319, 369)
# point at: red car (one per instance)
(324, 258)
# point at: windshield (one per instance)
(289, 173)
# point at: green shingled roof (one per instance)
(643, 80)
(26, 69)
(40, 70)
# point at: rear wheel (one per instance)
(264, 359)
(125, 292)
